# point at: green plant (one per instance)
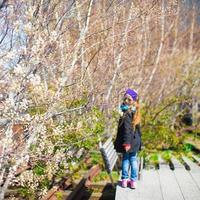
(45, 183)
(36, 110)
(96, 158)
(166, 155)
(39, 169)
(159, 131)
(187, 147)
(25, 192)
(59, 195)
(154, 158)
(103, 176)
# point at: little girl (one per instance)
(128, 140)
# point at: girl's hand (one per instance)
(127, 148)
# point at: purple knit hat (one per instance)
(132, 93)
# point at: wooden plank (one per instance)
(51, 192)
(108, 141)
(162, 163)
(197, 159)
(164, 184)
(188, 188)
(147, 189)
(114, 162)
(169, 186)
(110, 153)
(109, 147)
(177, 163)
(113, 155)
(195, 171)
(193, 166)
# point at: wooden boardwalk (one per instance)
(165, 184)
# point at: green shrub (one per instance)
(25, 192)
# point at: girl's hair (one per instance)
(137, 115)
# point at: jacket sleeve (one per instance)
(127, 129)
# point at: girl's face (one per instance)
(128, 100)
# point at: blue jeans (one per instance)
(129, 159)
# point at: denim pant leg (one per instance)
(134, 167)
(125, 165)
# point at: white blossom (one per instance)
(18, 69)
(35, 79)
